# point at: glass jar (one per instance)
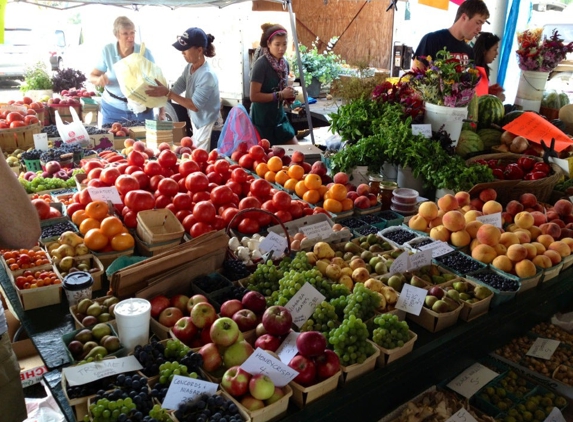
(386, 189)
(374, 183)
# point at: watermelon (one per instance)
(469, 143)
(490, 137)
(472, 115)
(490, 110)
(510, 117)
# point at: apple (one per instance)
(202, 314)
(229, 307)
(184, 330)
(311, 343)
(254, 301)
(158, 304)
(224, 331)
(268, 342)
(261, 387)
(260, 330)
(236, 381)
(277, 395)
(211, 357)
(251, 403)
(277, 320)
(245, 319)
(194, 300)
(306, 370)
(327, 364)
(237, 353)
(169, 316)
(179, 301)
(206, 335)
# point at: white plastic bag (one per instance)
(74, 132)
(44, 410)
(134, 74)
(564, 321)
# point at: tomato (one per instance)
(215, 178)
(94, 173)
(109, 175)
(85, 197)
(181, 214)
(130, 219)
(221, 166)
(182, 201)
(154, 181)
(205, 212)
(72, 208)
(239, 175)
(4, 125)
(188, 222)
(235, 187)
(248, 226)
(42, 207)
(213, 155)
(152, 168)
(162, 201)
(125, 183)
(122, 167)
(196, 182)
(139, 200)
(17, 123)
(168, 187)
(90, 165)
(14, 116)
(257, 152)
(199, 155)
(283, 215)
(221, 195)
(249, 202)
(30, 119)
(296, 210)
(201, 196)
(210, 168)
(132, 169)
(228, 215)
(30, 112)
(200, 228)
(260, 188)
(211, 186)
(27, 100)
(171, 208)
(246, 161)
(282, 200)
(177, 177)
(188, 167)
(36, 106)
(265, 144)
(167, 158)
(219, 223)
(181, 183)
(269, 206)
(136, 158)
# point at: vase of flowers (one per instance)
(447, 87)
(537, 56)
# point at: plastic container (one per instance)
(132, 317)
(78, 286)
(405, 196)
(400, 207)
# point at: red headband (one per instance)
(275, 33)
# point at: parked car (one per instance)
(19, 51)
(62, 45)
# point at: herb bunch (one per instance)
(36, 78)
(68, 78)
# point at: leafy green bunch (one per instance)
(326, 66)
(36, 78)
(68, 78)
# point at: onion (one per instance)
(519, 144)
(507, 137)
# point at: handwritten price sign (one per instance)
(303, 303)
(472, 380)
(411, 299)
(462, 415)
(543, 348)
(437, 247)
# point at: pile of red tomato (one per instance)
(15, 119)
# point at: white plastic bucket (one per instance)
(530, 89)
(450, 119)
(132, 317)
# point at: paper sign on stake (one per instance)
(472, 380)
(274, 242)
(321, 230)
(303, 303)
(288, 350)
(555, 416)
(260, 362)
(419, 259)
(462, 415)
(400, 264)
(182, 389)
(105, 194)
(422, 129)
(41, 141)
(93, 371)
(543, 348)
(493, 219)
(437, 247)
(411, 299)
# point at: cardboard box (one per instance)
(179, 131)
(302, 396)
(78, 324)
(354, 371)
(271, 412)
(38, 297)
(433, 321)
(137, 132)
(102, 140)
(150, 249)
(96, 275)
(388, 356)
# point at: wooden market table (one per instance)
(435, 358)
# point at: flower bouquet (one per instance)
(401, 93)
(541, 54)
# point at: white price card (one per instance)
(543, 348)
(93, 371)
(462, 415)
(303, 303)
(260, 362)
(105, 194)
(320, 230)
(472, 380)
(41, 141)
(571, 198)
(182, 389)
(555, 416)
(400, 264)
(419, 259)
(422, 129)
(274, 242)
(437, 247)
(493, 219)
(288, 350)
(411, 299)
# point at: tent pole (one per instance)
(300, 70)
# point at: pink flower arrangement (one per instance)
(541, 54)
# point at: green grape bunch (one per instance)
(362, 302)
(323, 319)
(350, 341)
(168, 370)
(390, 332)
(265, 278)
(175, 349)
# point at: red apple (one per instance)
(224, 331)
(311, 343)
(254, 301)
(158, 304)
(236, 381)
(277, 395)
(277, 320)
(268, 342)
(170, 316)
(179, 301)
(211, 357)
(245, 319)
(194, 300)
(251, 403)
(203, 314)
(185, 330)
(306, 370)
(327, 364)
(229, 307)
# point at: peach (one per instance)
(506, 218)
(463, 198)
(440, 233)
(503, 263)
(488, 194)
(566, 233)
(362, 189)
(540, 248)
(491, 207)
(516, 252)
(568, 218)
(560, 247)
(551, 229)
(525, 269)
(472, 215)
(535, 231)
(467, 208)
(514, 207)
(477, 204)
(569, 241)
(542, 261)
(538, 218)
(435, 222)
(523, 235)
(511, 227)
(531, 250)
(545, 240)
(508, 238)
(528, 200)
(428, 210)
(484, 253)
(454, 221)
(473, 244)
(523, 219)
(552, 215)
(418, 222)
(559, 222)
(472, 228)
(448, 202)
(460, 238)
(341, 178)
(500, 249)
(563, 207)
(554, 256)
(488, 234)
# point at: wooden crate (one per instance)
(150, 249)
(433, 321)
(38, 297)
(268, 413)
(64, 112)
(96, 275)
(354, 371)
(19, 138)
(388, 356)
(302, 396)
(78, 324)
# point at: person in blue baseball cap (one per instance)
(197, 89)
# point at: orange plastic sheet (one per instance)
(535, 128)
(438, 4)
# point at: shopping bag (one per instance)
(134, 74)
(73, 132)
(238, 128)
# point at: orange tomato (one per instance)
(338, 191)
(300, 189)
(79, 216)
(311, 196)
(97, 210)
(270, 176)
(261, 169)
(110, 226)
(88, 224)
(347, 204)
(275, 164)
(122, 242)
(290, 185)
(281, 177)
(296, 172)
(332, 205)
(312, 181)
(95, 240)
